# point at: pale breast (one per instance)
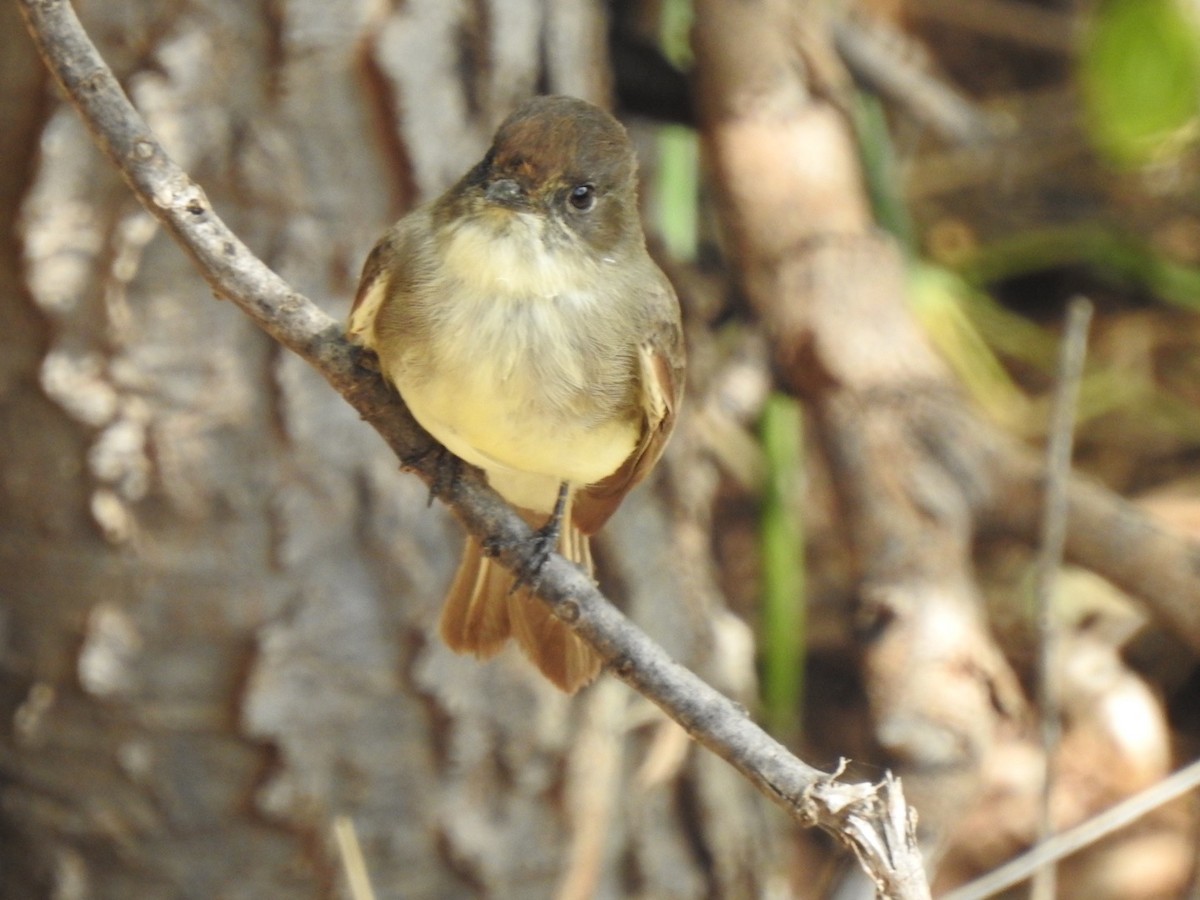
(513, 387)
(509, 358)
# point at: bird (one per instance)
(528, 330)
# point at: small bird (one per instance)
(528, 330)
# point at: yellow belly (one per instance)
(510, 359)
(526, 449)
(505, 388)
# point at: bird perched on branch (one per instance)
(528, 330)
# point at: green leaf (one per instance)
(1140, 75)
(678, 147)
(783, 610)
(879, 168)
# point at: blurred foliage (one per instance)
(982, 340)
(679, 175)
(678, 146)
(884, 186)
(1135, 103)
(1121, 259)
(968, 329)
(782, 639)
(1139, 69)
(1138, 72)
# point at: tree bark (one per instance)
(219, 590)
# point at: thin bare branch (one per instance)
(850, 812)
(1022, 23)
(1049, 559)
(353, 863)
(871, 52)
(1105, 533)
(1083, 835)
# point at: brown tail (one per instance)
(482, 612)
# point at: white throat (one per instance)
(515, 261)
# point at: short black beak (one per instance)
(505, 192)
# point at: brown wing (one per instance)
(399, 259)
(372, 288)
(660, 364)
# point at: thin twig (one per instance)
(1083, 835)
(1049, 560)
(870, 51)
(353, 862)
(856, 814)
(1009, 20)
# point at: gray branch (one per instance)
(871, 819)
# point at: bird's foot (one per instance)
(543, 543)
(447, 469)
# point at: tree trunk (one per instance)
(218, 592)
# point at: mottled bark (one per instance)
(218, 588)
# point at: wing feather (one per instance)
(660, 376)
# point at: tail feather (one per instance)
(482, 612)
(471, 621)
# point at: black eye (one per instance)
(582, 197)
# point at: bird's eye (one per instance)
(582, 197)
